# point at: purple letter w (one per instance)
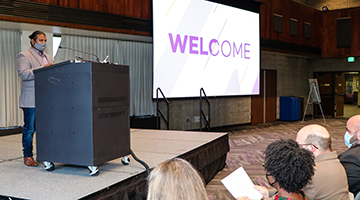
(177, 42)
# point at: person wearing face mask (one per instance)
(288, 169)
(27, 62)
(325, 184)
(350, 159)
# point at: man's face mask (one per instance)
(40, 46)
(348, 137)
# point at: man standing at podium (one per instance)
(27, 61)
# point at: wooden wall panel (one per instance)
(98, 6)
(323, 24)
(278, 8)
(289, 9)
(137, 9)
(116, 7)
(86, 5)
(329, 33)
(265, 20)
(69, 3)
(146, 9)
(355, 30)
(131, 8)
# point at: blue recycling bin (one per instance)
(289, 108)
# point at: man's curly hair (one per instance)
(291, 166)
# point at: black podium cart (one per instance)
(82, 114)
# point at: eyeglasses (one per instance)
(267, 178)
(302, 145)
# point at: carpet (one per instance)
(247, 144)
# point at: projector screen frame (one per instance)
(248, 5)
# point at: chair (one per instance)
(349, 99)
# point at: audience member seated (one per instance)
(176, 179)
(350, 159)
(326, 184)
(288, 169)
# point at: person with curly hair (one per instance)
(176, 179)
(288, 169)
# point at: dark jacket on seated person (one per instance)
(350, 159)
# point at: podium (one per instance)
(82, 113)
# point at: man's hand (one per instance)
(47, 65)
(242, 198)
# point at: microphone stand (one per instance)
(97, 58)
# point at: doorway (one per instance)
(263, 106)
(326, 89)
(351, 90)
(338, 93)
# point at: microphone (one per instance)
(97, 58)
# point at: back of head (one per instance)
(354, 123)
(291, 166)
(316, 135)
(176, 179)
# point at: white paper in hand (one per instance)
(239, 184)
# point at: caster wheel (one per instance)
(94, 171)
(125, 160)
(49, 166)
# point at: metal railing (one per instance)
(158, 111)
(202, 114)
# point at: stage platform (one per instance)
(205, 150)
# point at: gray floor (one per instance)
(74, 182)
